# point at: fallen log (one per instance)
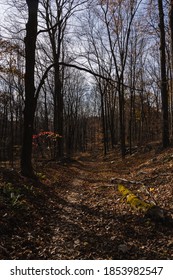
(134, 201)
(150, 210)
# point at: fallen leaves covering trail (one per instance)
(75, 212)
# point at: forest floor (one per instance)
(75, 210)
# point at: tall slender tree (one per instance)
(30, 99)
(171, 64)
(118, 18)
(164, 80)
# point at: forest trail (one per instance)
(81, 230)
(76, 212)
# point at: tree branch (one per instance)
(81, 69)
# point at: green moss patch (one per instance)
(134, 201)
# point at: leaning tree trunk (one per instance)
(30, 100)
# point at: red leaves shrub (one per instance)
(44, 143)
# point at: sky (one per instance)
(3, 8)
(3, 14)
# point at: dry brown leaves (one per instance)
(76, 212)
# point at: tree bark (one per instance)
(58, 113)
(30, 100)
(164, 81)
(171, 55)
(122, 119)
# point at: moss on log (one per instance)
(134, 201)
(150, 210)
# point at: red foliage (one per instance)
(43, 143)
(46, 133)
(35, 136)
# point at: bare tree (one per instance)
(164, 80)
(30, 100)
(118, 20)
(56, 15)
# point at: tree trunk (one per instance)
(103, 122)
(30, 100)
(58, 113)
(122, 119)
(171, 55)
(164, 82)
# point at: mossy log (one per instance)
(134, 201)
(149, 210)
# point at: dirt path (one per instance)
(93, 222)
(75, 212)
(83, 220)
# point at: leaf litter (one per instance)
(76, 212)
